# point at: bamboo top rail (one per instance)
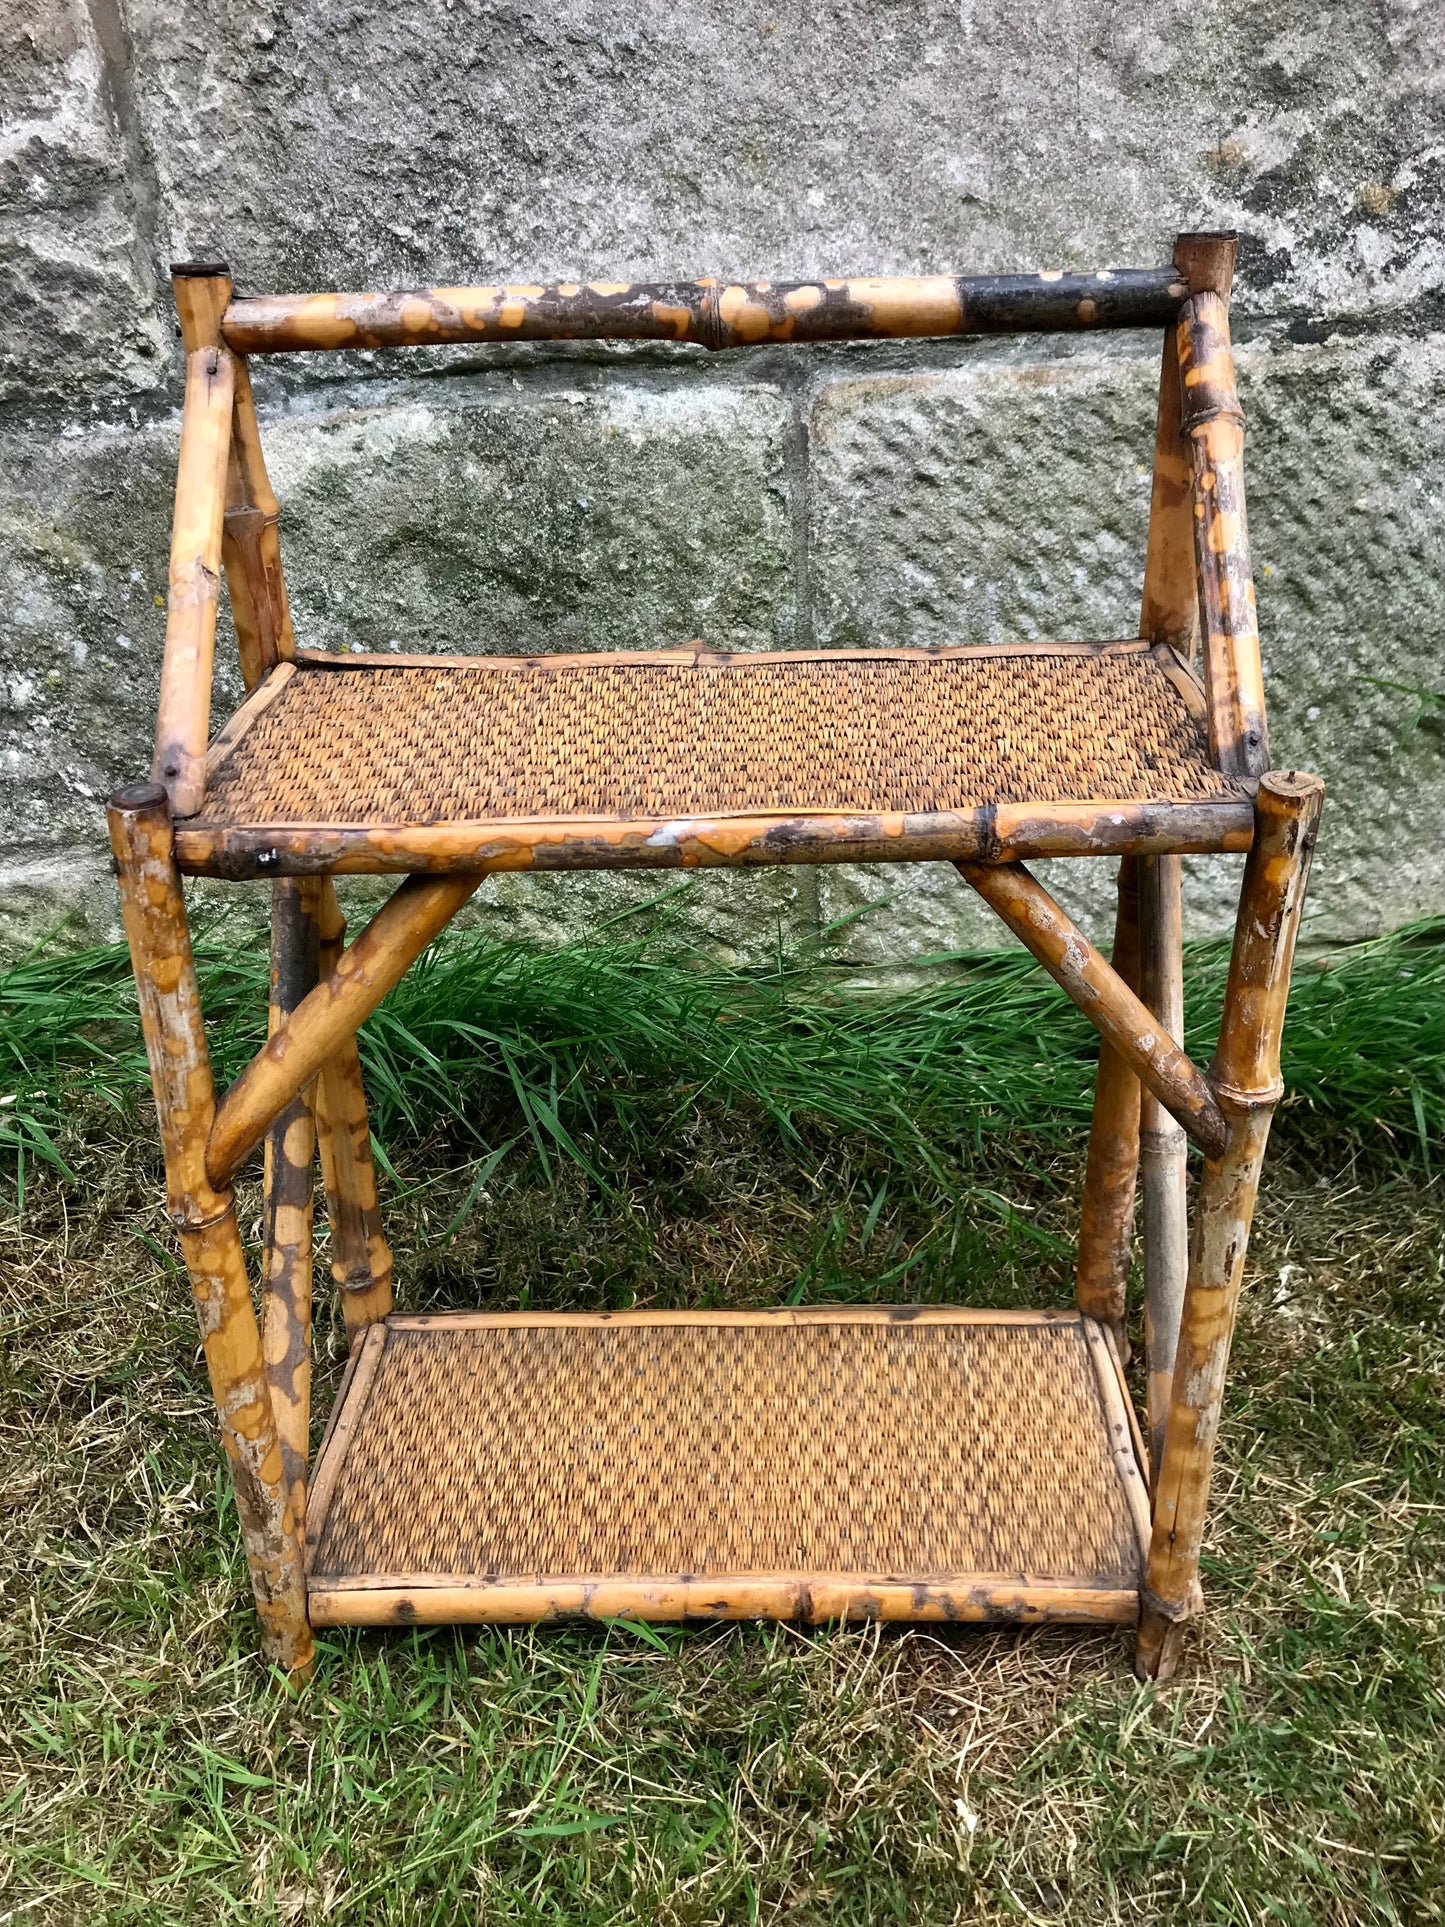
(713, 314)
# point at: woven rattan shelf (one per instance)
(376, 763)
(885, 1463)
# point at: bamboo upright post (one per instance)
(155, 923)
(1163, 1147)
(1170, 611)
(250, 538)
(1246, 1078)
(1213, 427)
(360, 1256)
(183, 721)
(252, 546)
(1106, 1218)
(289, 1193)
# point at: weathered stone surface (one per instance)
(462, 138)
(509, 515)
(78, 314)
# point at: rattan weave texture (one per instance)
(653, 738)
(907, 1449)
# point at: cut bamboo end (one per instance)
(1206, 262)
(202, 292)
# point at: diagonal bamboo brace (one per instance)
(380, 957)
(1120, 1018)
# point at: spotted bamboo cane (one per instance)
(711, 313)
(204, 1216)
(1107, 1216)
(1246, 1077)
(1101, 994)
(289, 1193)
(183, 721)
(1163, 1148)
(360, 1256)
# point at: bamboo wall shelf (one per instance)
(898, 1463)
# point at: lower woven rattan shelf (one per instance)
(879, 1462)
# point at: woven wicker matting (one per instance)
(658, 738)
(976, 1464)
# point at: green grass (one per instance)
(679, 1133)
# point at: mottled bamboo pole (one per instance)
(339, 1005)
(1246, 1076)
(184, 714)
(1163, 1147)
(1170, 610)
(1213, 426)
(252, 546)
(204, 1215)
(711, 313)
(289, 1194)
(1101, 994)
(1107, 1218)
(360, 1256)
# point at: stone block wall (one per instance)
(586, 497)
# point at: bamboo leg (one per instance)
(155, 924)
(1107, 1218)
(1246, 1078)
(290, 1151)
(360, 1256)
(1163, 1147)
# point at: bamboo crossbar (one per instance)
(710, 313)
(303, 1041)
(1120, 1018)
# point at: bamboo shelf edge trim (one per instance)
(813, 1598)
(779, 1315)
(992, 833)
(699, 656)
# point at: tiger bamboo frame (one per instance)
(289, 1197)
(1246, 1075)
(708, 313)
(1106, 1218)
(1213, 425)
(1051, 935)
(193, 596)
(361, 1264)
